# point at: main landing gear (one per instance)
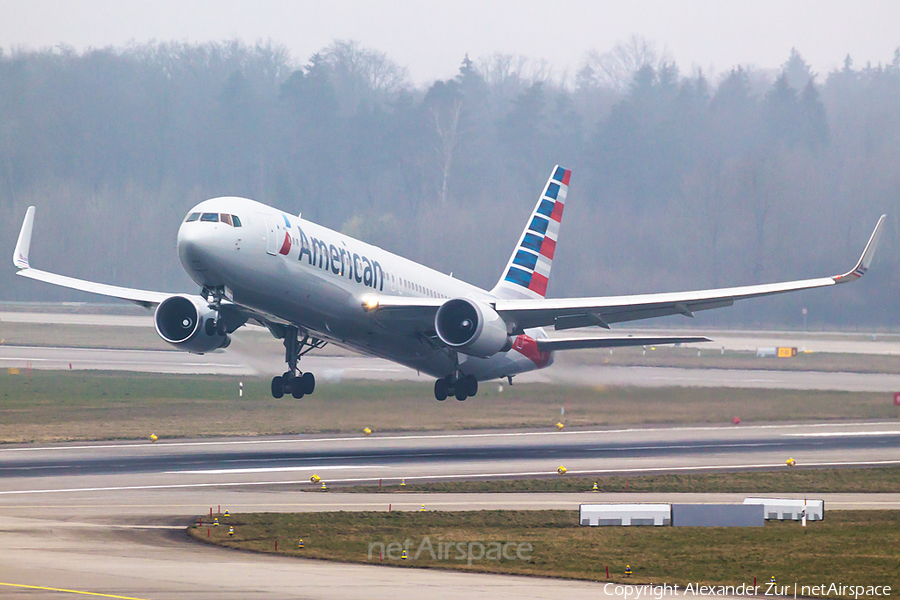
(459, 385)
(293, 381)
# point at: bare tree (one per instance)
(615, 69)
(446, 124)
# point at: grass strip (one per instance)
(850, 547)
(849, 480)
(44, 406)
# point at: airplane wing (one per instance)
(567, 313)
(236, 314)
(144, 298)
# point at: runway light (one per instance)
(324, 487)
(561, 470)
(791, 462)
(153, 438)
(559, 426)
(367, 431)
(315, 479)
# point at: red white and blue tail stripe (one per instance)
(528, 271)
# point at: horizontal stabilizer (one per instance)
(613, 342)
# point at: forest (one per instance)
(681, 179)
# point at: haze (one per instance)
(431, 37)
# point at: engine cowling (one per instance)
(472, 328)
(182, 322)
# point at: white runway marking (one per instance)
(454, 436)
(457, 476)
(840, 433)
(274, 469)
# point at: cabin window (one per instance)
(210, 217)
(236, 220)
(192, 217)
(225, 218)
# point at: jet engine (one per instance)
(189, 324)
(472, 328)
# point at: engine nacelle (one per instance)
(472, 328)
(182, 322)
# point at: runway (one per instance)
(336, 368)
(109, 517)
(733, 340)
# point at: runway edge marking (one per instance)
(437, 436)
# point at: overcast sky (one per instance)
(431, 37)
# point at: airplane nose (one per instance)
(195, 241)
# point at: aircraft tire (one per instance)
(277, 387)
(210, 327)
(440, 390)
(308, 383)
(471, 385)
(297, 388)
(221, 326)
(461, 391)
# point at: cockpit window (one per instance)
(225, 218)
(237, 221)
(210, 217)
(192, 217)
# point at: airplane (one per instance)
(310, 286)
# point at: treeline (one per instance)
(679, 180)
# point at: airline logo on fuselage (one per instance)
(340, 261)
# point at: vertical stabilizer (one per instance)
(528, 271)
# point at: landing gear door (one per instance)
(271, 237)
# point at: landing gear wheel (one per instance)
(307, 383)
(440, 390)
(461, 390)
(209, 327)
(277, 387)
(221, 327)
(471, 385)
(297, 388)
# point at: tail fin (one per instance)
(528, 270)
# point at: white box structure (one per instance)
(594, 515)
(788, 509)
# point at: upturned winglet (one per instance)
(20, 256)
(866, 259)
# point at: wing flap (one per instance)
(613, 342)
(142, 297)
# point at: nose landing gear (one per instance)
(293, 381)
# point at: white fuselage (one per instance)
(318, 280)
